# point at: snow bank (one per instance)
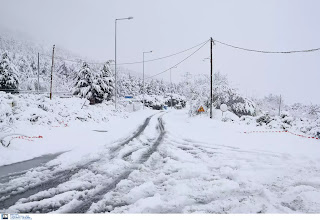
(285, 121)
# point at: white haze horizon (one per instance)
(86, 28)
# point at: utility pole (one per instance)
(280, 106)
(38, 73)
(115, 64)
(143, 78)
(171, 88)
(211, 44)
(52, 71)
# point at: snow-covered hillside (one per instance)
(22, 56)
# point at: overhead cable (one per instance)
(263, 51)
(179, 62)
(130, 63)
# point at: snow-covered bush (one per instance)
(285, 121)
(176, 100)
(40, 110)
(6, 113)
(158, 101)
(198, 92)
(286, 118)
(236, 103)
(249, 120)
(154, 102)
(230, 117)
(270, 104)
(264, 119)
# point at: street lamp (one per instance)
(171, 84)
(115, 54)
(143, 75)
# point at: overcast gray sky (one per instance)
(167, 26)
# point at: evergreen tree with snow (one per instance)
(89, 85)
(8, 74)
(107, 84)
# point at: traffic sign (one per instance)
(128, 97)
(201, 109)
(223, 107)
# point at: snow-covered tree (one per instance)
(270, 104)
(198, 93)
(89, 85)
(8, 74)
(314, 109)
(108, 81)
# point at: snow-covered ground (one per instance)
(211, 167)
(167, 162)
(63, 124)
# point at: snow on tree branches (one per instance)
(197, 93)
(86, 85)
(94, 85)
(108, 82)
(8, 74)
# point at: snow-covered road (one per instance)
(108, 167)
(175, 164)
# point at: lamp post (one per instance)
(115, 54)
(143, 75)
(171, 84)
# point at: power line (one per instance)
(160, 58)
(70, 60)
(263, 51)
(130, 63)
(180, 61)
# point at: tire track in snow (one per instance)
(62, 176)
(221, 148)
(137, 134)
(85, 206)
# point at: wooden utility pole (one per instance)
(38, 74)
(280, 106)
(211, 44)
(52, 72)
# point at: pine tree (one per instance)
(8, 74)
(107, 83)
(89, 85)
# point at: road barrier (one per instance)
(62, 124)
(284, 131)
(27, 137)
